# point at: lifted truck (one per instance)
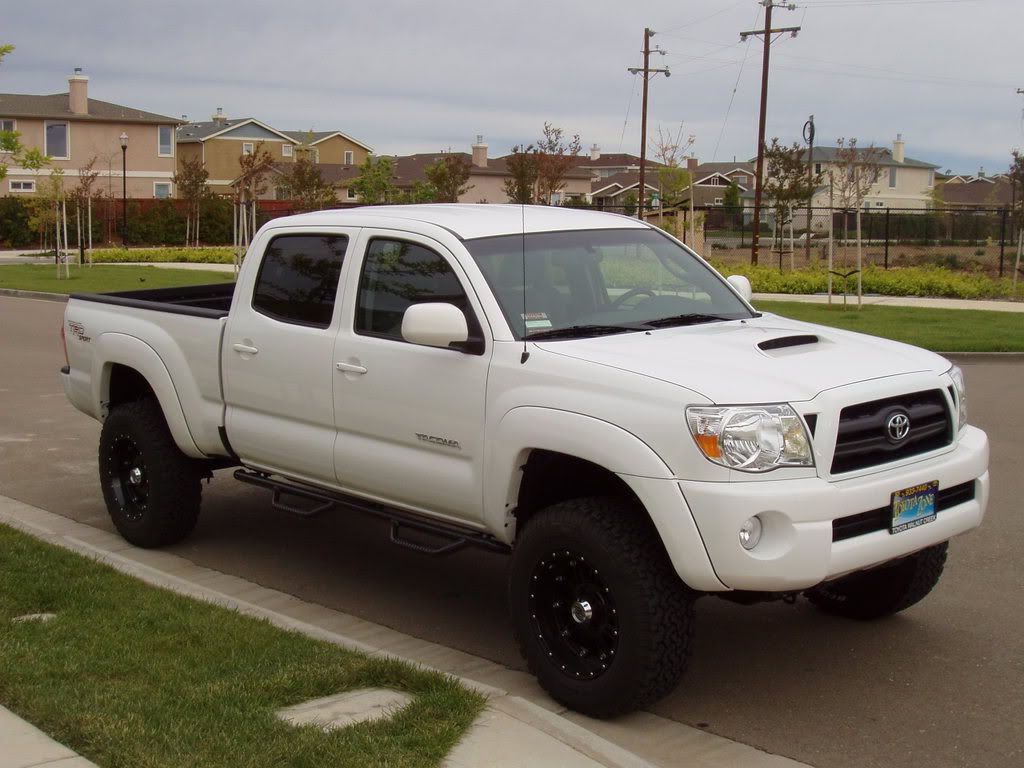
(577, 389)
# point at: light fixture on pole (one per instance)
(124, 189)
(647, 73)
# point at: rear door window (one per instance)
(298, 279)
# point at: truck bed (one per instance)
(196, 300)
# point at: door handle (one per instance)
(350, 367)
(245, 349)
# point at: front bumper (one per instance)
(797, 550)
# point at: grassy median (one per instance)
(131, 675)
(942, 330)
(103, 278)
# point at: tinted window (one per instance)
(395, 276)
(298, 278)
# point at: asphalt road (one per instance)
(939, 685)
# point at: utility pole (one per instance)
(647, 73)
(767, 33)
(809, 138)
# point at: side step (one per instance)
(443, 537)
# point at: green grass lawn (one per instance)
(942, 330)
(102, 278)
(131, 675)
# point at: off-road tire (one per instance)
(160, 504)
(643, 620)
(882, 591)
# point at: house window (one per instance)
(57, 141)
(286, 150)
(817, 168)
(316, 155)
(742, 180)
(166, 148)
(23, 186)
(931, 178)
(892, 178)
(351, 193)
(349, 157)
(246, 147)
(161, 190)
(8, 126)
(718, 201)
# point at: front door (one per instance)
(410, 417)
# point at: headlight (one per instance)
(753, 438)
(961, 395)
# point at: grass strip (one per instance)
(100, 279)
(942, 330)
(131, 675)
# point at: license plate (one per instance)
(913, 506)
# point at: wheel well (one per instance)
(550, 477)
(127, 385)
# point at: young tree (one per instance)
(673, 180)
(731, 199)
(448, 176)
(856, 172)
(304, 183)
(250, 185)
(1016, 175)
(787, 183)
(555, 158)
(81, 198)
(375, 184)
(419, 192)
(523, 167)
(190, 182)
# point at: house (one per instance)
(73, 129)
(329, 147)
(710, 181)
(903, 182)
(979, 191)
(603, 166)
(615, 193)
(221, 142)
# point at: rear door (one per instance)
(277, 355)
(410, 418)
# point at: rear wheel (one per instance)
(152, 490)
(601, 617)
(882, 591)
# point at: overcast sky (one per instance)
(409, 76)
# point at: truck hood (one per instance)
(765, 359)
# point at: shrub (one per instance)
(187, 255)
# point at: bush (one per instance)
(14, 228)
(187, 255)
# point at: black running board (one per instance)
(450, 537)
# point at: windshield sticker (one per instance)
(535, 320)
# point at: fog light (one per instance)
(750, 532)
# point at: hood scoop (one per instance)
(783, 342)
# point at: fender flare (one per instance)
(607, 445)
(121, 349)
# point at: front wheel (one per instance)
(601, 617)
(882, 591)
(152, 490)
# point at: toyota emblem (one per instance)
(897, 427)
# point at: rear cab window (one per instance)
(298, 278)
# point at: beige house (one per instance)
(329, 147)
(73, 129)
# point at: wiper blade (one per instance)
(690, 318)
(583, 331)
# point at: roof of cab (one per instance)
(469, 221)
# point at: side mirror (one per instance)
(434, 325)
(741, 285)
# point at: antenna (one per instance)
(526, 352)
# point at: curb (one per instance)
(38, 295)
(697, 748)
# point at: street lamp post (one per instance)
(124, 189)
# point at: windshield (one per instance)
(601, 281)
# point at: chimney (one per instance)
(595, 152)
(78, 93)
(220, 118)
(898, 148)
(691, 164)
(981, 172)
(480, 152)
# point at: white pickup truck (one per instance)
(577, 389)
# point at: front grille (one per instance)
(879, 519)
(864, 441)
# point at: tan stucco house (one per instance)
(72, 129)
(329, 147)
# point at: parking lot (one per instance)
(940, 685)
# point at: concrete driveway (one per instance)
(940, 685)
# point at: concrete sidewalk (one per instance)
(521, 726)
